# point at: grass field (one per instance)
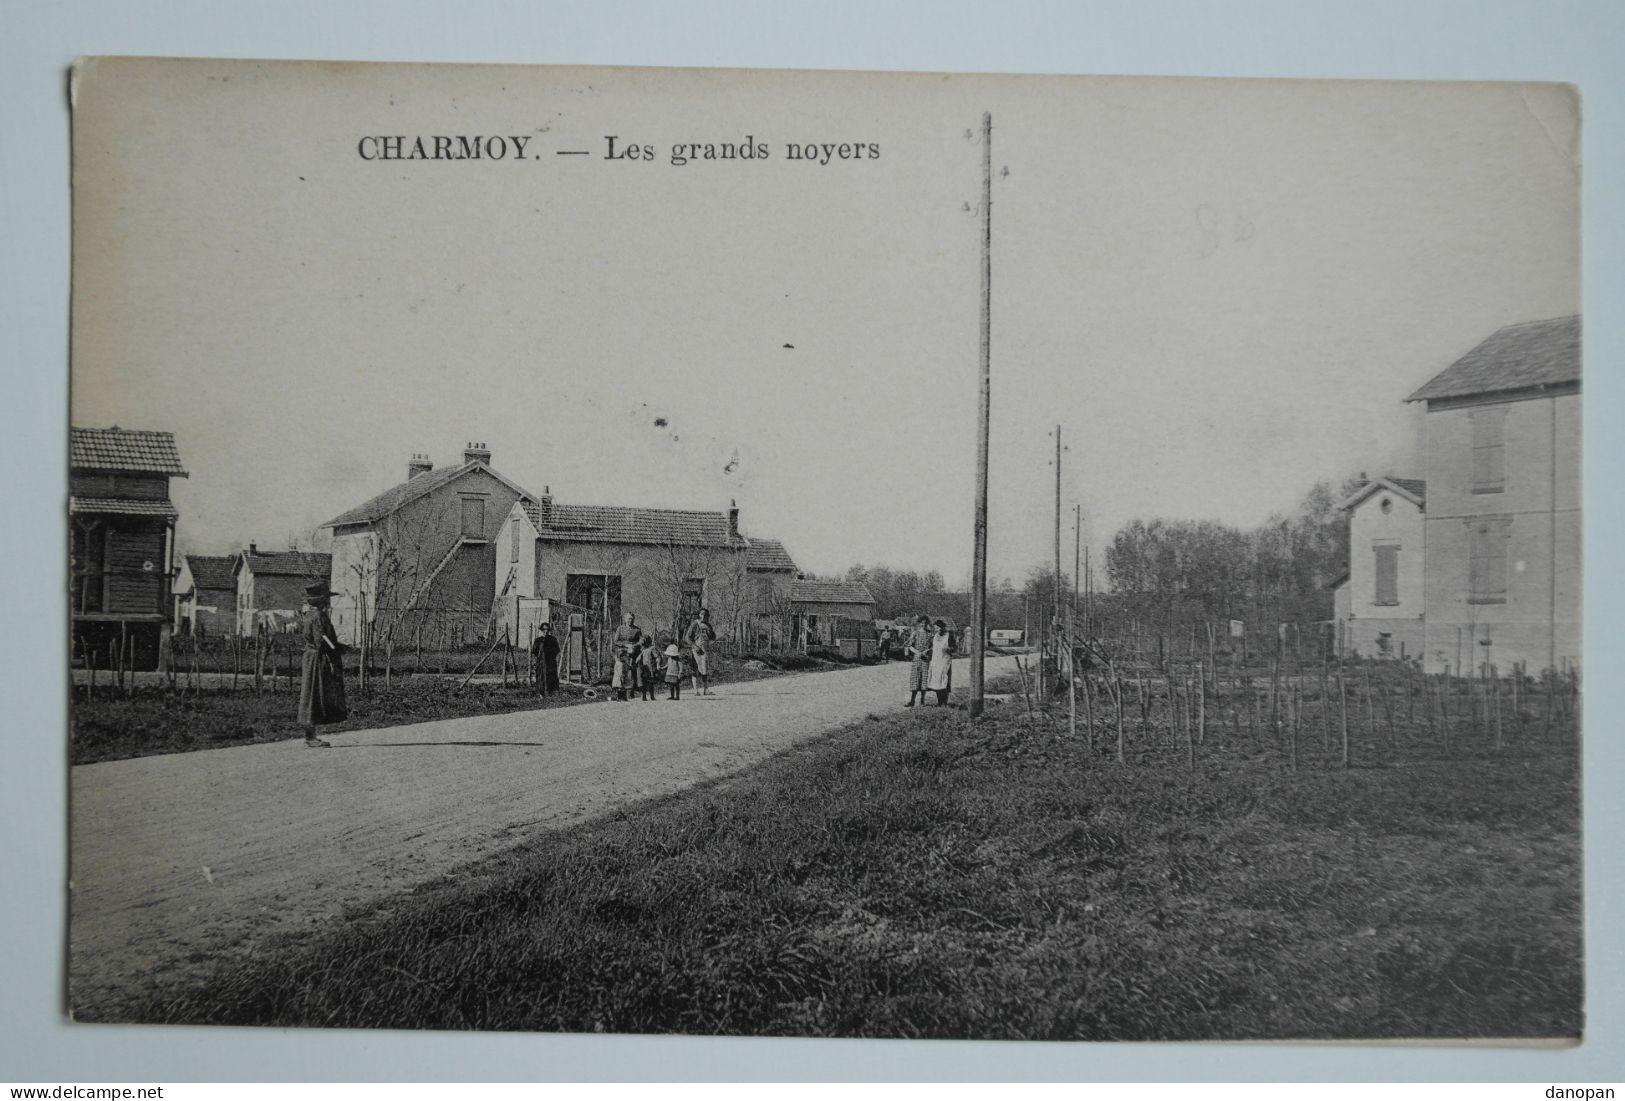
(919, 876)
(112, 725)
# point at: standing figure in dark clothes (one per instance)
(647, 661)
(321, 671)
(544, 653)
(626, 642)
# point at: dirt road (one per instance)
(180, 859)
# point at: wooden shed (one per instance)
(122, 542)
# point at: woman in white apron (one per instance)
(940, 677)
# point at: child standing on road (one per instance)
(674, 672)
(647, 659)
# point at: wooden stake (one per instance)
(1325, 709)
(1343, 714)
(1495, 680)
(1190, 733)
(1296, 704)
(1071, 679)
(1370, 708)
(1388, 712)
(1275, 693)
(1119, 720)
(1201, 716)
(1089, 715)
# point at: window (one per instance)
(1387, 574)
(473, 517)
(692, 600)
(598, 594)
(1489, 449)
(1487, 561)
(514, 556)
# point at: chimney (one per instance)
(477, 453)
(253, 549)
(418, 464)
(733, 519)
(547, 506)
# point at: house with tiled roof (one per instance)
(206, 595)
(828, 611)
(122, 541)
(1378, 603)
(1503, 531)
(420, 558)
(660, 564)
(271, 587)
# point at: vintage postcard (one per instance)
(1105, 551)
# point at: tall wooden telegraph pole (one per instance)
(1055, 612)
(978, 582)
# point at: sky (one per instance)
(1221, 290)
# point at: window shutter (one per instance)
(1487, 561)
(1489, 449)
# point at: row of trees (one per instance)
(1161, 571)
(897, 592)
(1282, 570)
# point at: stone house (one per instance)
(1503, 524)
(662, 565)
(206, 595)
(419, 560)
(271, 587)
(1379, 606)
(825, 609)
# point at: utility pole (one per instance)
(1071, 626)
(978, 600)
(1055, 613)
(1055, 604)
(1088, 594)
(1077, 541)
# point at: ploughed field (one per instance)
(918, 875)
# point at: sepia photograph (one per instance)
(1113, 544)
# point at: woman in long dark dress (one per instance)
(321, 672)
(545, 653)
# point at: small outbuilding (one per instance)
(271, 587)
(826, 611)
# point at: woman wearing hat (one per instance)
(321, 674)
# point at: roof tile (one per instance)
(121, 506)
(621, 524)
(830, 592)
(768, 554)
(212, 571)
(124, 449)
(290, 563)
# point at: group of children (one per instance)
(638, 669)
